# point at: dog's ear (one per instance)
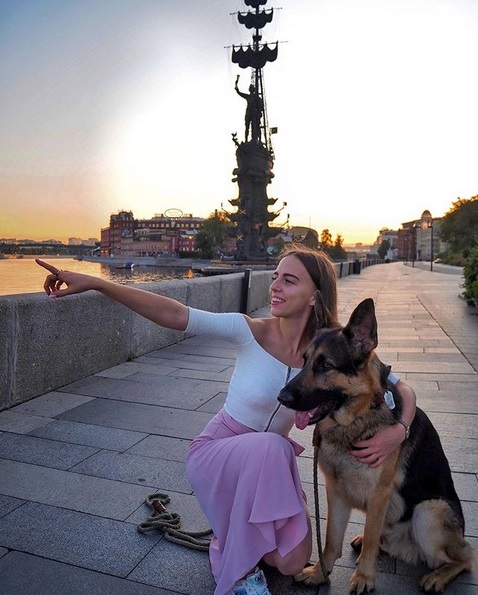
(361, 329)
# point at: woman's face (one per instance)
(292, 290)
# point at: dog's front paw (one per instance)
(311, 575)
(361, 583)
(435, 582)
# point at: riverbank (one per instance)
(202, 266)
(24, 276)
(143, 261)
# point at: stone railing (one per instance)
(50, 343)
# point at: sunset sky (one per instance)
(130, 104)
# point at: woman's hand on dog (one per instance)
(375, 450)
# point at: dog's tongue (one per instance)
(302, 419)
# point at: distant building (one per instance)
(162, 234)
(187, 242)
(420, 239)
(390, 236)
(299, 233)
(80, 242)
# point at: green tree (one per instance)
(459, 226)
(383, 248)
(337, 252)
(204, 244)
(470, 273)
(325, 242)
(210, 239)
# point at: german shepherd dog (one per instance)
(412, 509)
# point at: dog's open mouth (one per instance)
(306, 418)
(329, 401)
(312, 416)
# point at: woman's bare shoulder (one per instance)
(261, 327)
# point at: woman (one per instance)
(243, 465)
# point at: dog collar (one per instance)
(386, 398)
(378, 400)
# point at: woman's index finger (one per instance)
(45, 265)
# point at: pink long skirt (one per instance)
(249, 487)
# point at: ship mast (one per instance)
(255, 56)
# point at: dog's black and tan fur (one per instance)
(412, 509)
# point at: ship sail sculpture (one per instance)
(255, 155)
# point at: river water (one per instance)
(23, 275)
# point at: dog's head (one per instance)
(340, 370)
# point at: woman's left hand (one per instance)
(75, 282)
(375, 450)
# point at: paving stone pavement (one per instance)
(76, 464)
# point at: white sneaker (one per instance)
(253, 584)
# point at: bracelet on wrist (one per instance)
(406, 426)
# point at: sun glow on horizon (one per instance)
(374, 104)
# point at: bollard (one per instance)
(357, 267)
(246, 286)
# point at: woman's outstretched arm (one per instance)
(160, 309)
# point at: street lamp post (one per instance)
(414, 243)
(431, 243)
(427, 223)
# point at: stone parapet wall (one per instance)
(50, 343)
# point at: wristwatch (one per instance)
(406, 426)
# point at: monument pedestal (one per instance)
(252, 174)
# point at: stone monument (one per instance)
(254, 155)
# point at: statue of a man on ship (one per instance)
(254, 155)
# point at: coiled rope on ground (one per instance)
(169, 523)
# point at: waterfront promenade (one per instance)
(76, 464)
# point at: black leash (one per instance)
(317, 509)
(170, 524)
